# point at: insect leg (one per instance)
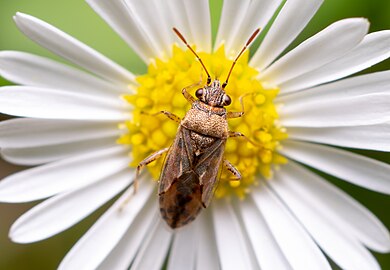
(239, 114)
(187, 95)
(232, 134)
(179, 160)
(234, 114)
(170, 115)
(232, 169)
(142, 164)
(145, 162)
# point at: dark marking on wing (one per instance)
(182, 202)
(189, 176)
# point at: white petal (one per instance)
(289, 23)
(71, 49)
(374, 48)
(44, 154)
(239, 20)
(105, 234)
(183, 250)
(297, 246)
(198, 13)
(233, 13)
(357, 169)
(29, 132)
(57, 104)
(28, 69)
(50, 179)
(150, 20)
(373, 137)
(167, 22)
(119, 17)
(155, 248)
(63, 211)
(329, 44)
(207, 254)
(340, 246)
(328, 112)
(268, 254)
(257, 16)
(176, 16)
(234, 251)
(192, 19)
(373, 83)
(123, 254)
(335, 205)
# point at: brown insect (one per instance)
(190, 172)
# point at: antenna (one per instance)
(197, 56)
(238, 56)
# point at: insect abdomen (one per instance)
(182, 202)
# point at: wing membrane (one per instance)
(178, 161)
(207, 168)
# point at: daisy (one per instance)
(86, 130)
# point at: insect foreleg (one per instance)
(170, 115)
(239, 114)
(230, 115)
(232, 134)
(233, 170)
(187, 95)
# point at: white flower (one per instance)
(289, 221)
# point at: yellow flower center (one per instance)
(160, 89)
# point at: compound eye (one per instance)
(226, 100)
(199, 93)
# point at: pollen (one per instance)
(160, 90)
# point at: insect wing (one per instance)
(207, 168)
(182, 202)
(178, 161)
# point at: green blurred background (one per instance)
(76, 18)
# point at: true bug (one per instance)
(190, 171)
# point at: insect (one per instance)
(190, 172)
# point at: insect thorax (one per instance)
(206, 120)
